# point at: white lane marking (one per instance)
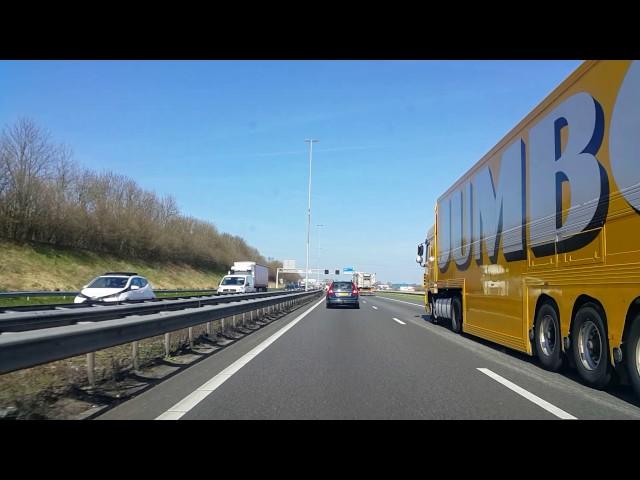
(399, 321)
(374, 307)
(528, 395)
(191, 400)
(402, 301)
(364, 301)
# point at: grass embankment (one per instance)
(25, 267)
(43, 267)
(419, 299)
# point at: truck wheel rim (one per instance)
(638, 356)
(548, 335)
(589, 345)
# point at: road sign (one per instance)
(347, 271)
(288, 264)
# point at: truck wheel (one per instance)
(456, 315)
(632, 355)
(434, 320)
(547, 338)
(591, 347)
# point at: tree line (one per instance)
(45, 196)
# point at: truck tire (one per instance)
(456, 315)
(632, 355)
(590, 346)
(434, 320)
(547, 338)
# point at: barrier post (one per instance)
(167, 344)
(91, 363)
(134, 354)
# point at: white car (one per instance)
(116, 287)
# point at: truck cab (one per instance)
(236, 284)
(426, 258)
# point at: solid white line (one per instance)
(528, 395)
(374, 307)
(399, 321)
(402, 301)
(191, 400)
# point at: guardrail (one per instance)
(56, 293)
(37, 294)
(25, 349)
(15, 319)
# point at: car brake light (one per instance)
(330, 292)
(355, 291)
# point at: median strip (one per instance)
(529, 396)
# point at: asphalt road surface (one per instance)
(383, 361)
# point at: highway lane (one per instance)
(386, 362)
(563, 388)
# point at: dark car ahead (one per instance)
(343, 293)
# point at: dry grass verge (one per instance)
(39, 392)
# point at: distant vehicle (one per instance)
(116, 287)
(364, 282)
(313, 283)
(407, 288)
(343, 293)
(245, 277)
(292, 286)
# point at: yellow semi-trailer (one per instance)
(537, 246)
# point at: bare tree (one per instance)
(28, 158)
(45, 196)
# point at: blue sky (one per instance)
(393, 136)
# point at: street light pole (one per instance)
(306, 281)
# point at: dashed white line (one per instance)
(528, 395)
(374, 307)
(191, 400)
(399, 321)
